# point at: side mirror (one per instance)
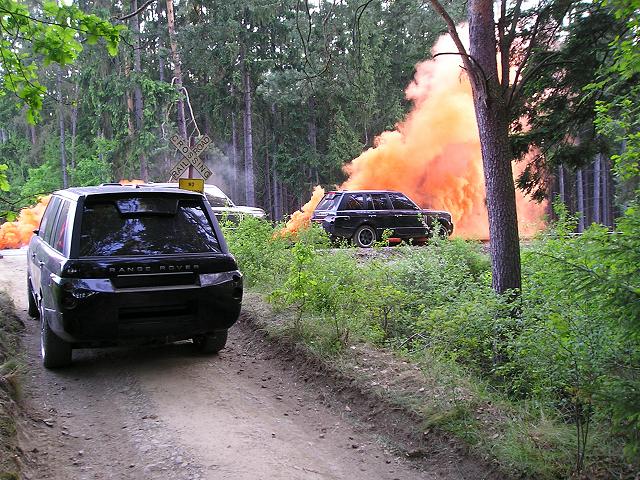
(36, 231)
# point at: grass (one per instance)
(521, 439)
(513, 389)
(10, 327)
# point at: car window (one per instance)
(110, 229)
(401, 202)
(329, 201)
(353, 201)
(49, 219)
(216, 201)
(59, 232)
(380, 201)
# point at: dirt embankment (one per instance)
(252, 412)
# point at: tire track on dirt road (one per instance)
(163, 412)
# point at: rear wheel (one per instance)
(442, 231)
(365, 236)
(33, 306)
(211, 342)
(55, 351)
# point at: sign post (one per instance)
(191, 159)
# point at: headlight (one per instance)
(209, 279)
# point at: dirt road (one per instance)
(165, 413)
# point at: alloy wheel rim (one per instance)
(366, 237)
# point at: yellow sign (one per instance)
(193, 184)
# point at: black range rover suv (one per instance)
(118, 264)
(362, 216)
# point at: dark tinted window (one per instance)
(380, 201)
(400, 202)
(59, 233)
(117, 228)
(49, 219)
(329, 201)
(353, 201)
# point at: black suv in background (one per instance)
(115, 264)
(362, 216)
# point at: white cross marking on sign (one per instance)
(191, 156)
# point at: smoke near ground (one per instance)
(18, 233)
(434, 156)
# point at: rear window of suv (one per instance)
(329, 202)
(146, 226)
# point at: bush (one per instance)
(570, 346)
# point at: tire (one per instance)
(210, 343)
(55, 351)
(442, 231)
(33, 306)
(365, 236)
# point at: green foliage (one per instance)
(262, 256)
(90, 171)
(55, 36)
(46, 177)
(618, 113)
(572, 347)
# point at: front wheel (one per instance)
(210, 343)
(442, 231)
(55, 351)
(365, 236)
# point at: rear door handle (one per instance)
(41, 264)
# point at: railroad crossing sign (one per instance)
(191, 156)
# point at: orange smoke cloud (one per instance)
(434, 155)
(17, 234)
(302, 217)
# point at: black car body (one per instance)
(362, 216)
(114, 264)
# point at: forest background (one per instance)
(291, 91)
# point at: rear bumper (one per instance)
(145, 313)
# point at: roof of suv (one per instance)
(77, 192)
(364, 191)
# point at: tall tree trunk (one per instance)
(248, 136)
(581, 203)
(235, 188)
(268, 202)
(312, 135)
(129, 99)
(606, 200)
(492, 115)
(63, 152)
(563, 195)
(235, 168)
(137, 90)
(32, 134)
(277, 197)
(177, 69)
(160, 46)
(597, 199)
(74, 124)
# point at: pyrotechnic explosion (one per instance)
(433, 156)
(18, 233)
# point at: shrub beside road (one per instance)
(542, 390)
